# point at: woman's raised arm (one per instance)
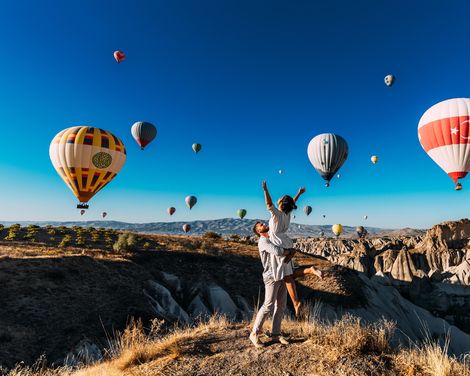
(299, 193)
(267, 196)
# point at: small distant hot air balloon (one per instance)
(197, 148)
(280, 172)
(104, 214)
(361, 231)
(327, 152)
(83, 211)
(365, 217)
(307, 210)
(374, 159)
(186, 227)
(337, 229)
(144, 133)
(171, 210)
(190, 201)
(322, 233)
(389, 80)
(119, 56)
(444, 134)
(324, 216)
(87, 159)
(241, 213)
(338, 176)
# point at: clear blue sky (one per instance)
(253, 82)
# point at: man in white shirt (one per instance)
(275, 296)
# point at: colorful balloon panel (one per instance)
(87, 159)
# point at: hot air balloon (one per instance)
(241, 213)
(280, 172)
(337, 229)
(338, 176)
(361, 231)
(171, 210)
(458, 187)
(119, 56)
(327, 153)
(186, 227)
(104, 214)
(83, 211)
(197, 148)
(365, 217)
(389, 80)
(322, 233)
(190, 201)
(86, 158)
(324, 216)
(308, 210)
(444, 133)
(143, 132)
(374, 159)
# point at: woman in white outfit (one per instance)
(278, 227)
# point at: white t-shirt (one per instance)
(278, 227)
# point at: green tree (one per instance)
(66, 241)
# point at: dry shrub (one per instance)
(429, 359)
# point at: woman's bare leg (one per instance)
(303, 271)
(292, 290)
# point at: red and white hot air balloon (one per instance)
(444, 133)
(119, 56)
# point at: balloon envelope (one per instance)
(389, 80)
(190, 201)
(119, 56)
(241, 213)
(374, 159)
(104, 214)
(197, 148)
(82, 211)
(280, 172)
(144, 133)
(337, 229)
(171, 210)
(87, 159)
(308, 210)
(444, 134)
(327, 153)
(186, 228)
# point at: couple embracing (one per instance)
(276, 252)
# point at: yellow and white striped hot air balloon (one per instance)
(86, 158)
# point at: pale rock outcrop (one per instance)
(197, 309)
(164, 304)
(403, 268)
(221, 302)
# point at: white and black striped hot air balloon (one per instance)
(144, 133)
(327, 153)
(444, 133)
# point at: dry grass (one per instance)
(219, 347)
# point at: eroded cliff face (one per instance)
(433, 270)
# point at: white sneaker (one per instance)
(254, 338)
(282, 340)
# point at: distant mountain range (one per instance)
(224, 226)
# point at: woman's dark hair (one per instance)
(287, 204)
